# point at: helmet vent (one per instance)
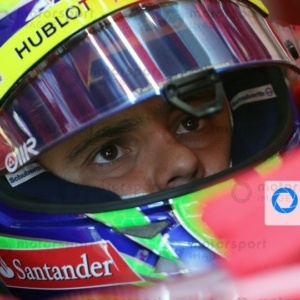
(167, 266)
(145, 231)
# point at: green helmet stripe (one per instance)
(122, 218)
(189, 211)
(143, 269)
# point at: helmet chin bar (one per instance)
(176, 90)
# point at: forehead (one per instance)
(134, 117)
(155, 107)
(124, 120)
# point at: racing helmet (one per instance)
(67, 66)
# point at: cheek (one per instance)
(53, 162)
(215, 160)
(216, 156)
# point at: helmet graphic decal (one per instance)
(38, 8)
(89, 265)
(187, 210)
(135, 218)
(26, 173)
(256, 94)
(15, 14)
(9, 7)
(6, 271)
(12, 160)
(260, 5)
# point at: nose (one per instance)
(174, 163)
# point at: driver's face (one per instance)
(150, 147)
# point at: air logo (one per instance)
(21, 156)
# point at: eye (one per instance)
(109, 153)
(188, 124)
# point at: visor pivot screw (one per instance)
(172, 90)
(213, 77)
(292, 49)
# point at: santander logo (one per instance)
(89, 265)
(5, 270)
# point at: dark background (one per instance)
(284, 10)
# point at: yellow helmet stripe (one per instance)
(269, 166)
(260, 5)
(7, 6)
(45, 32)
(48, 30)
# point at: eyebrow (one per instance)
(123, 126)
(108, 131)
